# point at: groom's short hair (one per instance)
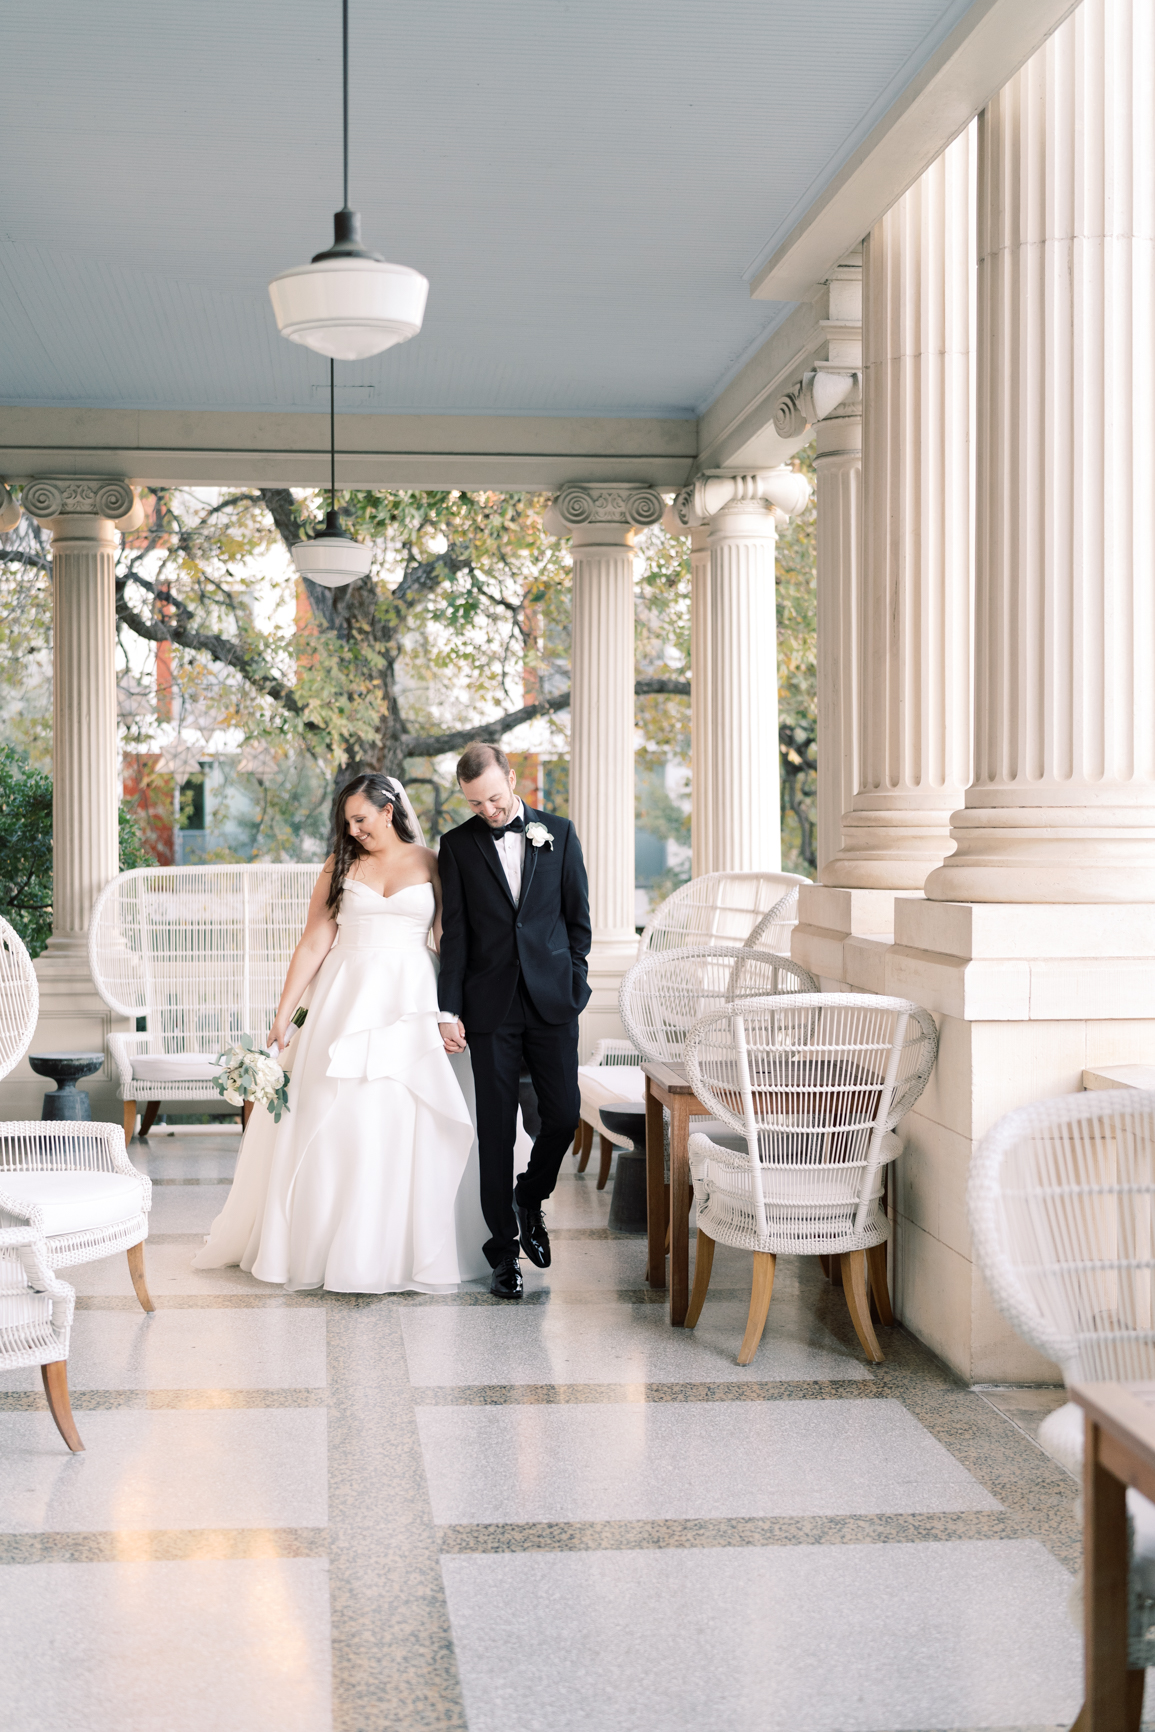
(477, 757)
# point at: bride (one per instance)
(359, 1188)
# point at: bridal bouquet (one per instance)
(252, 1074)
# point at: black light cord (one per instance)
(332, 434)
(345, 79)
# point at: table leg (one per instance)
(679, 1211)
(1114, 1696)
(655, 1191)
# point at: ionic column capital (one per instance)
(51, 498)
(599, 512)
(773, 495)
(825, 391)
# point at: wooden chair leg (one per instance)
(854, 1281)
(129, 1120)
(761, 1288)
(246, 1114)
(703, 1263)
(151, 1108)
(136, 1270)
(605, 1157)
(586, 1137)
(55, 1379)
(879, 1290)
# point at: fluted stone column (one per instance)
(83, 516)
(701, 846)
(838, 468)
(1062, 807)
(601, 522)
(740, 756)
(914, 693)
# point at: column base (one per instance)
(1026, 997)
(609, 960)
(843, 934)
(1049, 854)
(73, 1018)
(888, 850)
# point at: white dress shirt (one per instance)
(511, 853)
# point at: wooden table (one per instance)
(1119, 1451)
(667, 1086)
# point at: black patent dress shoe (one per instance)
(506, 1280)
(534, 1238)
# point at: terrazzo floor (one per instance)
(341, 1514)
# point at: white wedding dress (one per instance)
(369, 1183)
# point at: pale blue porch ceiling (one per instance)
(588, 185)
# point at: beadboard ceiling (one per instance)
(590, 186)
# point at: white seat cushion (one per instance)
(606, 1085)
(74, 1202)
(175, 1067)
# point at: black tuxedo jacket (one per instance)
(487, 939)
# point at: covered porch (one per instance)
(949, 291)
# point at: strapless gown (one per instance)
(360, 1188)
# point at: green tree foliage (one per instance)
(461, 630)
(798, 682)
(26, 847)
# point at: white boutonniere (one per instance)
(538, 835)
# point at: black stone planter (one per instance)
(65, 1069)
(628, 1201)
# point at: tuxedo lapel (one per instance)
(484, 840)
(528, 859)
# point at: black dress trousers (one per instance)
(549, 1051)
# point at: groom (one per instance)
(515, 937)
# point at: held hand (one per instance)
(279, 1034)
(453, 1036)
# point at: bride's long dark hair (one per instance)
(383, 791)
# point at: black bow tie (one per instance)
(517, 824)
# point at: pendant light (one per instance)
(348, 303)
(331, 557)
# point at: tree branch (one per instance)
(433, 745)
(652, 688)
(224, 650)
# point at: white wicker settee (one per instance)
(201, 953)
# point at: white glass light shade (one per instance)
(349, 308)
(332, 560)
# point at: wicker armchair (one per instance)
(663, 995)
(35, 1320)
(200, 952)
(1061, 1201)
(73, 1182)
(70, 1182)
(725, 908)
(815, 1083)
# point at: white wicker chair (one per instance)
(35, 1320)
(201, 952)
(816, 1083)
(1061, 1201)
(616, 1056)
(70, 1182)
(664, 993)
(724, 908)
(19, 998)
(776, 925)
